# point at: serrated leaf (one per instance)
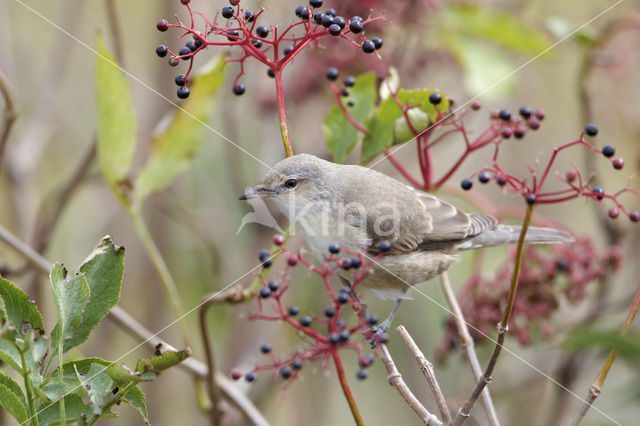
(70, 295)
(75, 409)
(340, 135)
(70, 377)
(14, 387)
(117, 128)
(507, 30)
(15, 306)
(12, 403)
(162, 362)
(103, 270)
(172, 151)
(97, 384)
(10, 354)
(135, 399)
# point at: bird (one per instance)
(361, 209)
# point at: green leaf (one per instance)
(117, 131)
(162, 362)
(172, 151)
(9, 353)
(97, 384)
(15, 306)
(103, 270)
(135, 399)
(75, 409)
(509, 31)
(12, 403)
(388, 126)
(122, 375)
(70, 379)
(14, 387)
(70, 295)
(340, 135)
(561, 28)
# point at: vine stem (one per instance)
(161, 268)
(63, 414)
(357, 417)
(503, 326)
(284, 130)
(596, 387)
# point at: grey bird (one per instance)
(358, 208)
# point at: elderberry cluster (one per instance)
(327, 333)
(239, 28)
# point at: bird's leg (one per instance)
(384, 326)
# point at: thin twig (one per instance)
(11, 112)
(503, 326)
(396, 380)
(127, 323)
(468, 347)
(596, 387)
(429, 374)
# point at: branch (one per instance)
(466, 343)
(429, 374)
(596, 386)
(11, 112)
(503, 325)
(396, 380)
(127, 323)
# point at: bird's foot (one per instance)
(379, 333)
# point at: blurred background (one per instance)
(593, 75)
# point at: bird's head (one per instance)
(302, 177)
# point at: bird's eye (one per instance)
(291, 183)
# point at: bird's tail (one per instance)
(507, 234)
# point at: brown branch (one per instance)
(429, 374)
(467, 346)
(396, 380)
(127, 323)
(11, 112)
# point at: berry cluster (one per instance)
(532, 189)
(550, 272)
(271, 45)
(327, 333)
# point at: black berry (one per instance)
(372, 319)
(162, 25)
(329, 312)
(305, 320)
(184, 51)
(180, 80)
(356, 26)
(192, 46)
(362, 374)
(198, 42)
(591, 129)
(296, 364)
(344, 92)
(356, 18)
(162, 50)
(368, 46)
(263, 255)
(435, 98)
(327, 20)
(518, 133)
(366, 361)
(249, 16)
(288, 50)
(299, 10)
(600, 191)
(317, 17)
(239, 89)
(345, 264)
(273, 285)
(270, 72)
(339, 21)
(466, 184)
(384, 246)
(334, 338)
(267, 263)
(183, 92)
(262, 31)
(332, 73)
(294, 310)
(484, 176)
(501, 180)
(265, 348)
(227, 12)
(608, 151)
(304, 14)
(530, 199)
(377, 42)
(315, 3)
(256, 43)
(504, 114)
(330, 12)
(232, 35)
(265, 292)
(344, 335)
(250, 377)
(334, 29)
(285, 372)
(334, 248)
(525, 111)
(355, 262)
(343, 297)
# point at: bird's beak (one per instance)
(257, 192)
